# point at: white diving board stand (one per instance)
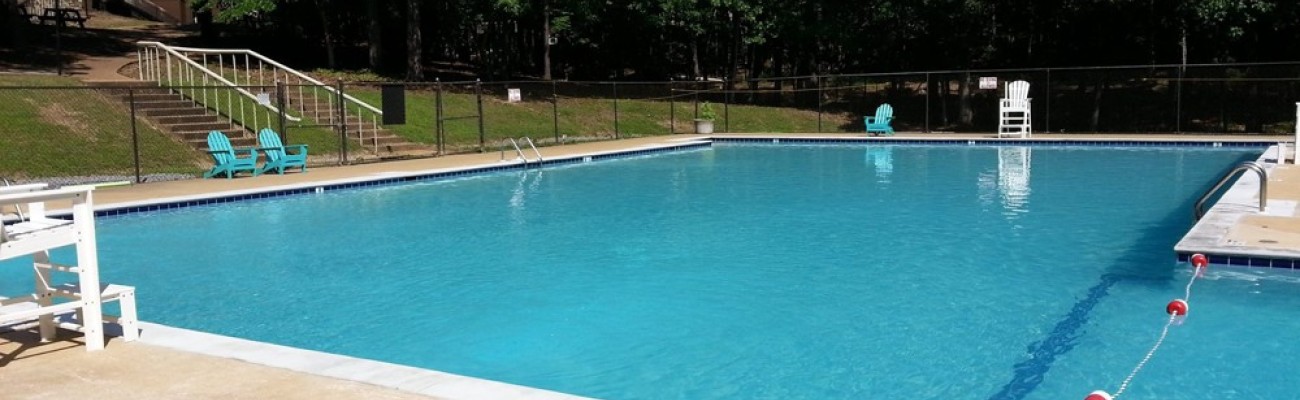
(36, 234)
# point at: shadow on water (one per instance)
(1066, 333)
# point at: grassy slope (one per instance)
(579, 117)
(66, 132)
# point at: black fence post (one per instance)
(928, 87)
(281, 103)
(616, 133)
(672, 109)
(1047, 117)
(819, 102)
(478, 95)
(726, 105)
(1178, 107)
(438, 129)
(342, 121)
(135, 136)
(555, 112)
(697, 102)
(1224, 96)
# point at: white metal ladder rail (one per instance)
(512, 142)
(530, 144)
(519, 152)
(1199, 211)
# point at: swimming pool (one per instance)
(741, 271)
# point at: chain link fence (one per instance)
(60, 130)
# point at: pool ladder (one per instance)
(1199, 211)
(518, 150)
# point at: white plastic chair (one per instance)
(1014, 113)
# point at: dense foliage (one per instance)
(659, 39)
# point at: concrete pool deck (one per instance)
(157, 366)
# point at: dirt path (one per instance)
(95, 53)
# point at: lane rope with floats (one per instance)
(1177, 310)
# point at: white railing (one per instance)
(313, 102)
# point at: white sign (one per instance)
(513, 96)
(264, 99)
(988, 82)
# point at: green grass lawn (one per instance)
(78, 131)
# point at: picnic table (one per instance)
(62, 16)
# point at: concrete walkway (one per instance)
(62, 369)
(98, 52)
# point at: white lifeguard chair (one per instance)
(1014, 111)
(35, 233)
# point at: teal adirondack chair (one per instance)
(226, 158)
(881, 122)
(277, 158)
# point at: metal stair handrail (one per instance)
(280, 66)
(314, 102)
(207, 71)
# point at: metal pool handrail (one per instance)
(530, 144)
(518, 151)
(1249, 165)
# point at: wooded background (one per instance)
(745, 39)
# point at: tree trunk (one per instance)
(207, 30)
(695, 59)
(414, 45)
(321, 6)
(735, 49)
(376, 33)
(967, 114)
(943, 101)
(1096, 102)
(546, 40)
(1256, 123)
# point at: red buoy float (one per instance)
(1199, 260)
(1178, 306)
(1098, 395)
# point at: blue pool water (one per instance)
(743, 271)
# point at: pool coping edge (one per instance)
(394, 376)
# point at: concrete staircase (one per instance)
(177, 115)
(305, 96)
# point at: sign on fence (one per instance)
(988, 82)
(264, 99)
(513, 96)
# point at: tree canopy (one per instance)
(686, 39)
